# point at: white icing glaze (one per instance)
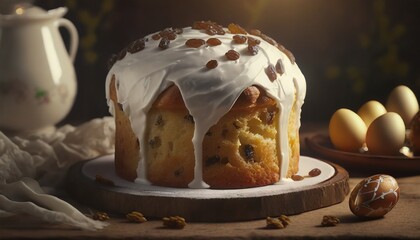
(208, 93)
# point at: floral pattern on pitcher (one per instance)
(15, 87)
(21, 93)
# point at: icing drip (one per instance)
(208, 93)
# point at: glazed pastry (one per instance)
(206, 106)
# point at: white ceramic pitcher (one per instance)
(37, 78)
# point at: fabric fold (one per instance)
(31, 164)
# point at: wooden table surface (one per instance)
(403, 222)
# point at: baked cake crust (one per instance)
(239, 151)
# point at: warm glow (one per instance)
(19, 11)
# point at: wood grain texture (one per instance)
(400, 223)
(118, 200)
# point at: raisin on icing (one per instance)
(236, 29)
(156, 36)
(253, 41)
(271, 72)
(239, 39)
(171, 36)
(195, 42)
(164, 43)
(253, 49)
(211, 31)
(232, 55)
(269, 39)
(212, 64)
(211, 28)
(255, 32)
(202, 25)
(280, 67)
(213, 42)
(169, 33)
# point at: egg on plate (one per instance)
(370, 111)
(386, 135)
(404, 102)
(347, 130)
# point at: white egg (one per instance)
(347, 130)
(404, 102)
(386, 134)
(370, 111)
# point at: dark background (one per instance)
(349, 51)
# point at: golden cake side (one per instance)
(240, 151)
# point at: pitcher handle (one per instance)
(74, 36)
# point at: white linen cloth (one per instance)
(33, 165)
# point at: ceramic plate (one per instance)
(104, 166)
(363, 162)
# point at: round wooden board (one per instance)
(117, 199)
